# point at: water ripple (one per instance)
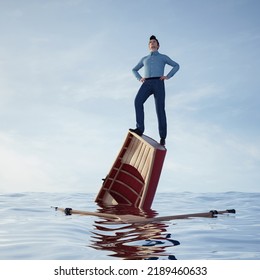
(31, 229)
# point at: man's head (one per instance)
(153, 43)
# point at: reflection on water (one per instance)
(136, 241)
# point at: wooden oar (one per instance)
(210, 214)
(139, 219)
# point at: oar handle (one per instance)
(215, 212)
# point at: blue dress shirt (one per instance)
(154, 65)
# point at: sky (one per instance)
(67, 92)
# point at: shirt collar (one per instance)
(154, 53)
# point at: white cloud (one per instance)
(63, 150)
(190, 99)
(207, 157)
(20, 170)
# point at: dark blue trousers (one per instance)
(156, 88)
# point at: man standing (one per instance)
(153, 83)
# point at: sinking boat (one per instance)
(135, 174)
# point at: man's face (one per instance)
(153, 45)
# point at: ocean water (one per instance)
(31, 230)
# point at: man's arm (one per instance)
(136, 68)
(175, 67)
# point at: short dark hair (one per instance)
(154, 38)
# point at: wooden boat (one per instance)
(135, 174)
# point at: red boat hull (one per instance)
(135, 174)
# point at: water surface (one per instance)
(31, 229)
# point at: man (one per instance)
(153, 83)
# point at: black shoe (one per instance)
(162, 142)
(137, 131)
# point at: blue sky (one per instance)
(67, 91)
